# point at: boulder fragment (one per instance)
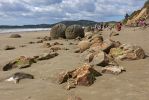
(7, 47)
(21, 62)
(46, 56)
(100, 59)
(116, 70)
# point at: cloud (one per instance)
(50, 11)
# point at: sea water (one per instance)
(23, 30)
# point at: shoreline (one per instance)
(20, 30)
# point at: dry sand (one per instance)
(131, 85)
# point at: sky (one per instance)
(23, 12)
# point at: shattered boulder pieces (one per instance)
(127, 52)
(46, 56)
(116, 52)
(7, 47)
(21, 62)
(16, 77)
(113, 70)
(71, 84)
(24, 62)
(101, 45)
(84, 75)
(96, 39)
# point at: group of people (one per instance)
(102, 26)
(141, 22)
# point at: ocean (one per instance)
(23, 30)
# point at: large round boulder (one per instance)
(74, 31)
(84, 45)
(88, 29)
(58, 31)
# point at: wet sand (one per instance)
(130, 85)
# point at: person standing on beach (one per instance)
(118, 26)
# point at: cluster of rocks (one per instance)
(106, 50)
(84, 75)
(99, 52)
(70, 32)
(54, 46)
(24, 62)
(42, 39)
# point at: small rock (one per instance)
(7, 47)
(54, 49)
(15, 36)
(22, 46)
(77, 50)
(46, 56)
(31, 42)
(113, 70)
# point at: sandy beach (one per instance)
(130, 85)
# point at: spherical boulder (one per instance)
(84, 45)
(74, 31)
(58, 31)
